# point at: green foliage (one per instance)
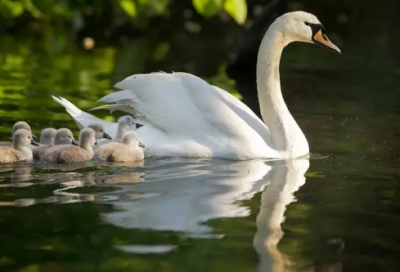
(208, 8)
(9, 8)
(139, 10)
(129, 7)
(235, 8)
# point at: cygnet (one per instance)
(99, 129)
(125, 123)
(129, 150)
(20, 150)
(69, 153)
(64, 136)
(46, 141)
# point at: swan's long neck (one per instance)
(287, 136)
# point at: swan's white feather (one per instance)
(83, 119)
(193, 115)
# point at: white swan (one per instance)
(185, 116)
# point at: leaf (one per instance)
(237, 9)
(15, 8)
(34, 11)
(208, 8)
(129, 7)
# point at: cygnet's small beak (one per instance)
(106, 136)
(33, 142)
(34, 137)
(138, 125)
(323, 40)
(74, 142)
(141, 145)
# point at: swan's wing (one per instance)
(83, 119)
(245, 113)
(183, 104)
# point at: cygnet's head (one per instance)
(132, 139)
(87, 136)
(47, 136)
(303, 27)
(127, 122)
(64, 136)
(23, 137)
(99, 130)
(23, 125)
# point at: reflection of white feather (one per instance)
(183, 203)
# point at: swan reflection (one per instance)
(183, 202)
(286, 178)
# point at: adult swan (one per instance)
(182, 115)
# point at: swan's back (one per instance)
(185, 116)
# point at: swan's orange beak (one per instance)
(321, 39)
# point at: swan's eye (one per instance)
(101, 131)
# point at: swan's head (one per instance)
(99, 129)
(131, 138)
(64, 136)
(87, 136)
(301, 26)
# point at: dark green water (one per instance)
(340, 210)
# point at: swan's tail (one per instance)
(73, 110)
(83, 119)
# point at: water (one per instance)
(337, 211)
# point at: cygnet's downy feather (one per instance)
(127, 151)
(20, 150)
(69, 153)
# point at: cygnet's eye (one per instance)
(101, 130)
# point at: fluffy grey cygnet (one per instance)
(47, 137)
(64, 136)
(69, 153)
(125, 123)
(16, 126)
(99, 129)
(126, 151)
(20, 150)
(23, 125)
